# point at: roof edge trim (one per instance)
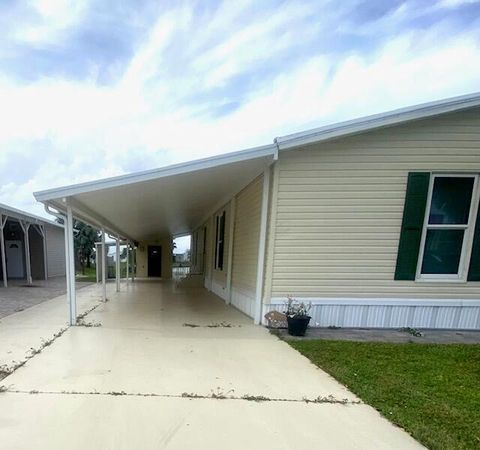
(376, 121)
(24, 215)
(137, 177)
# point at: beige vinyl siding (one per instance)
(340, 207)
(55, 251)
(246, 238)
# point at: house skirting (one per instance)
(219, 289)
(389, 313)
(244, 302)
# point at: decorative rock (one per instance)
(276, 319)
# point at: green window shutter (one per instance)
(412, 225)
(474, 269)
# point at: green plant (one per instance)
(294, 308)
(412, 331)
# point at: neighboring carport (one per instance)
(23, 246)
(156, 204)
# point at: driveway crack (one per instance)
(192, 396)
(6, 370)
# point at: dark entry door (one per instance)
(154, 261)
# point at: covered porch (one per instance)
(144, 211)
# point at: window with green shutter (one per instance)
(412, 225)
(438, 239)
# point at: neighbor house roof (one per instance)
(177, 198)
(23, 215)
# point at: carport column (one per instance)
(104, 274)
(28, 268)
(134, 257)
(262, 246)
(231, 230)
(128, 261)
(117, 263)
(70, 253)
(3, 221)
(41, 229)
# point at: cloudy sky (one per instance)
(95, 88)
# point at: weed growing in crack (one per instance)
(5, 370)
(82, 323)
(212, 325)
(331, 399)
(218, 394)
(82, 316)
(256, 398)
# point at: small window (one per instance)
(219, 240)
(448, 227)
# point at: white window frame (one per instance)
(461, 275)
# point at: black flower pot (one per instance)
(297, 326)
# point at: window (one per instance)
(219, 240)
(448, 228)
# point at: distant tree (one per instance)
(84, 241)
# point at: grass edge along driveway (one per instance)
(430, 390)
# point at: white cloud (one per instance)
(89, 131)
(53, 17)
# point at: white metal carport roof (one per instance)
(170, 200)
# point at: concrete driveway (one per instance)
(170, 368)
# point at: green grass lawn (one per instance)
(90, 275)
(430, 390)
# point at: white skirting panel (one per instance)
(219, 290)
(245, 302)
(390, 313)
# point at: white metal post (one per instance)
(117, 265)
(3, 221)
(104, 275)
(261, 246)
(71, 267)
(134, 267)
(67, 257)
(231, 230)
(97, 263)
(42, 231)
(26, 239)
(128, 261)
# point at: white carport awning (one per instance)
(170, 200)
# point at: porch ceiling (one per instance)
(171, 200)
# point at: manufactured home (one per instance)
(31, 247)
(373, 221)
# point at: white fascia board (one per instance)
(381, 120)
(23, 215)
(137, 177)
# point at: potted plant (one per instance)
(297, 316)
